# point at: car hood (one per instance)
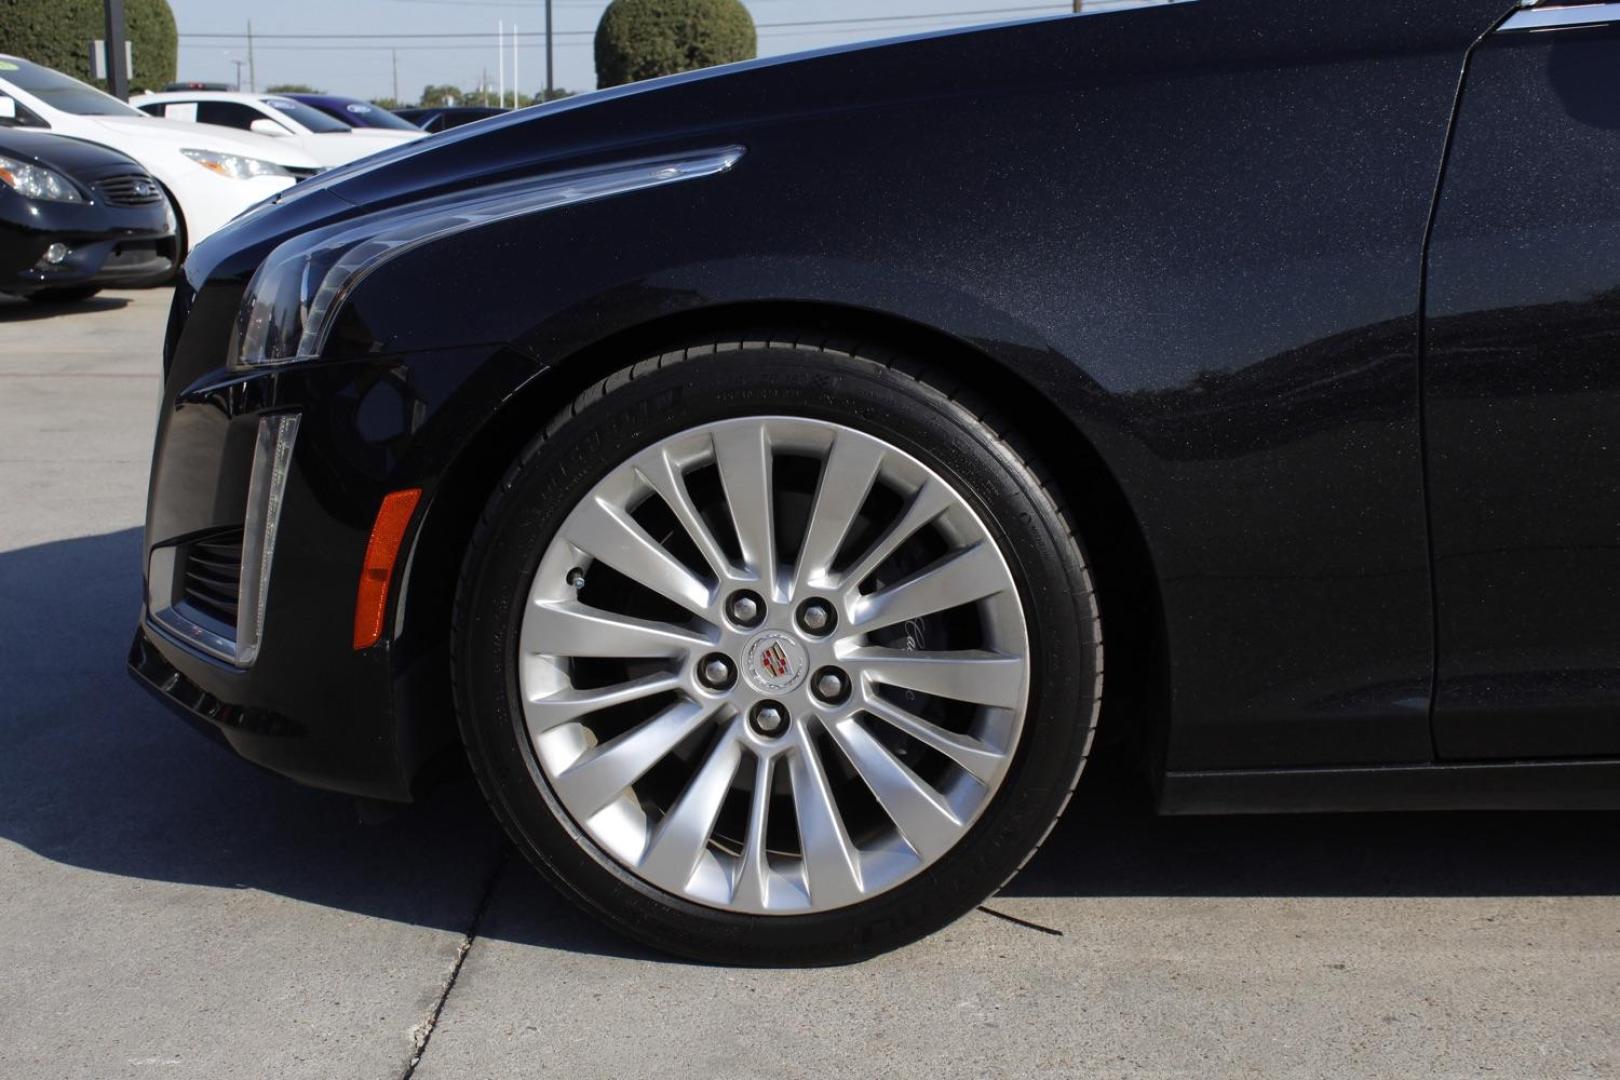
(701, 109)
(65, 154)
(124, 131)
(392, 135)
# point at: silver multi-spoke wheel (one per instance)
(773, 665)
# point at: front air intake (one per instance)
(210, 591)
(212, 579)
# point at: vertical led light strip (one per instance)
(272, 460)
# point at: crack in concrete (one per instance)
(422, 1033)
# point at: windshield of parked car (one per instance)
(368, 115)
(60, 92)
(313, 119)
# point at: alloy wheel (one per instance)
(773, 665)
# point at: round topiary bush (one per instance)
(643, 39)
(58, 33)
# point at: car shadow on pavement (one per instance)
(96, 774)
(17, 309)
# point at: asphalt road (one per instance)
(168, 911)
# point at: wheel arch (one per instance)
(1127, 587)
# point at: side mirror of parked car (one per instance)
(8, 109)
(267, 127)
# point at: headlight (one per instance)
(37, 182)
(294, 297)
(235, 166)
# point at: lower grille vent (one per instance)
(213, 575)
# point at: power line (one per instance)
(480, 46)
(590, 4)
(806, 23)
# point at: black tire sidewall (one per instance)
(662, 400)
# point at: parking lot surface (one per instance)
(166, 910)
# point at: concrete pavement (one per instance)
(166, 910)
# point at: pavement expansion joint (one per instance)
(422, 1034)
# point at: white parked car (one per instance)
(209, 174)
(325, 138)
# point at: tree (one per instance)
(643, 39)
(57, 34)
(557, 94)
(435, 96)
(293, 88)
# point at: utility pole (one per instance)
(117, 68)
(253, 72)
(239, 64)
(396, 75)
(550, 86)
(1077, 4)
(500, 57)
(515, 81)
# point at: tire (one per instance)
(182, 241)
(64, 295)
(774, 883)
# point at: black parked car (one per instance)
(76, 217)
(751, 481)
(443, 118)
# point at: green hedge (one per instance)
(58, 33)
(643, 39)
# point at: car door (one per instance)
(1522, 395)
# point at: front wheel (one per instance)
(775, 654)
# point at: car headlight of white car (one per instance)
(37, 182)
(234, 165)
(293, 299)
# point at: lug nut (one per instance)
(816, 616)
(769, 719)
(745, 609)
(831, 686)
(716, 672)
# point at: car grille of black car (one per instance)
(213, 575)
(130, 189)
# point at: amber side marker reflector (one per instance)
(382, 551)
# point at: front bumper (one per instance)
(107, 246)
(303, 701)
(292, 694)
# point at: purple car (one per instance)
(354, 112)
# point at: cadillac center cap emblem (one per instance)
(774, 663)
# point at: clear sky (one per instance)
(455, 39)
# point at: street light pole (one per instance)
(117, 69)
(551, 86)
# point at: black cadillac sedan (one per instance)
(76, 217)
(752, 481)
